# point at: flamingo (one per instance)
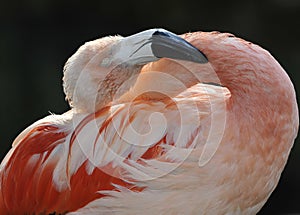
(201, 123)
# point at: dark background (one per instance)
(37, 37)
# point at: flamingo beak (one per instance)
(169, 45)
(151, 45)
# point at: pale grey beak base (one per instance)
(169, 45)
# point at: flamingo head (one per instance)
(103, 69)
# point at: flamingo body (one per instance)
(169, 143)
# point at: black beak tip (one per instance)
(188, 52)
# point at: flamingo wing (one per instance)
(61, 163)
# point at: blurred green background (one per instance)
(37, 37)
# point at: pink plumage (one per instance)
(166, 137)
